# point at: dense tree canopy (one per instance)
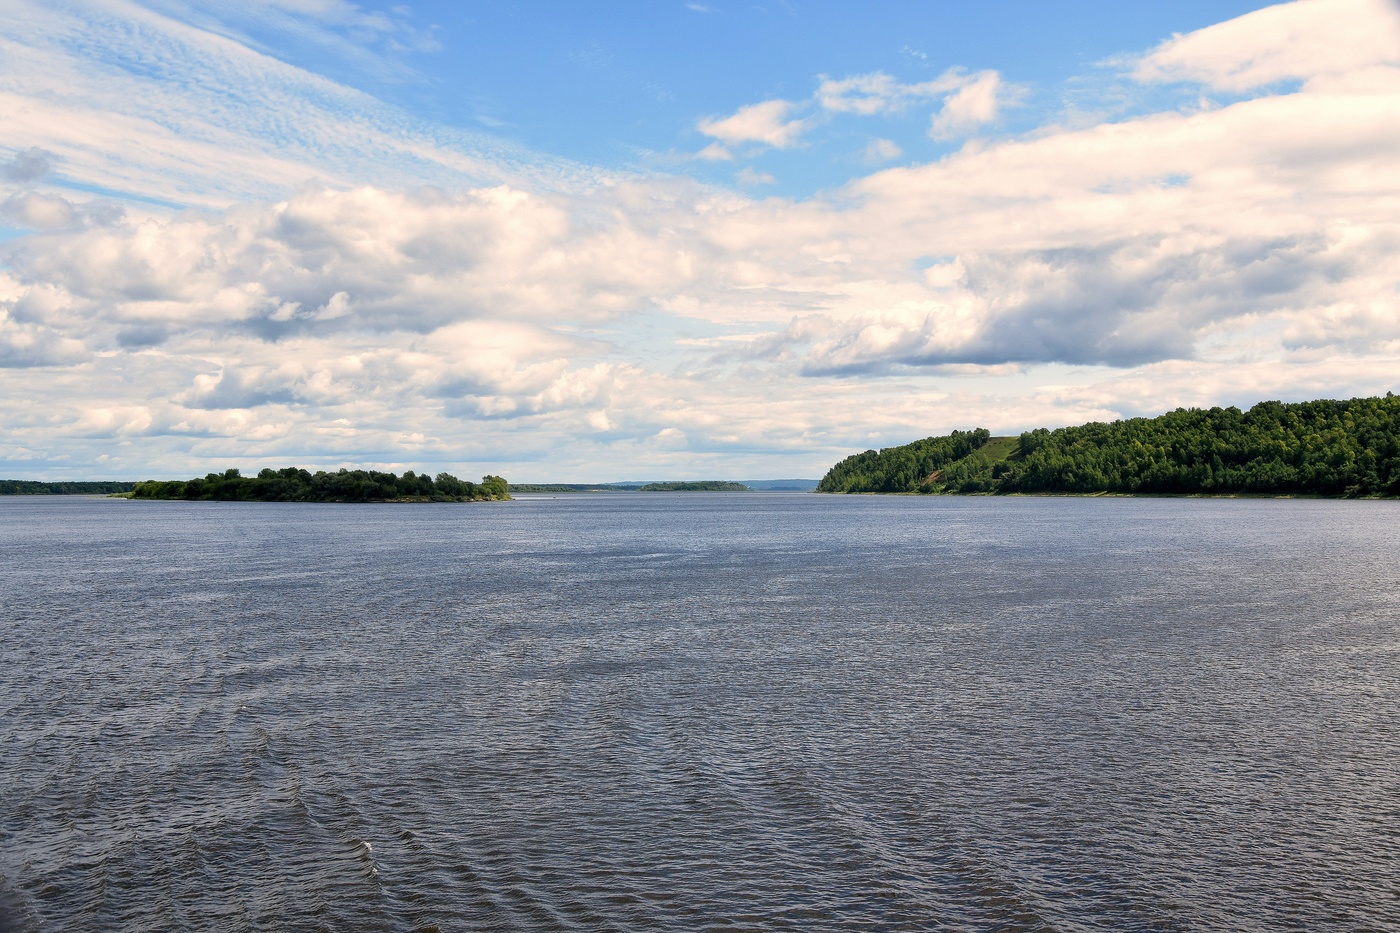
(295, 485)
(1325, 448)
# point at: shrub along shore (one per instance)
(297, 485)
(1329, 448)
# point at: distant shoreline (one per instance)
(32, 487)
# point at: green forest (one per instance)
(1345, 448)
(296, 485)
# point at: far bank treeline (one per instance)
(1320, 448)
(296, 485)
(28, 487)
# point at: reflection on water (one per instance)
(700, 712)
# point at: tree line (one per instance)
(297, 485)
(29, 487)
(1323, 448)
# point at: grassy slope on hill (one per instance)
(905, 468)
(1325, 448)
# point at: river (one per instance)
(700, 711)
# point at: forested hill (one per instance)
(1322, 448)
(295, 485)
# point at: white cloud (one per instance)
(878, 92)
(971, 105)
(37, 211)
(225, 122)
(765, 123)
(863, 94)
(882, 150)
(24, 344)
(1299, 40)
(968, 100)
(748, 176)
(714, 152)
(325, 259)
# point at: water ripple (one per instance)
(775, 712)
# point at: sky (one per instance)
(587, 241)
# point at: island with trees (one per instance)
(296, 485)
(1347, 448)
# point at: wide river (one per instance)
(693, 711)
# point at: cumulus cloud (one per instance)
(327, 260)
(24, 345)
(1121, 304)
(1299, 40)
(38, 211)
(250, 387)
(764, 123)
(878, 92)
(968, 100)
(974, 103)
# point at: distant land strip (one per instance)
(704, 485)
(571, 487)
(25, 487)
(772, 485)
(707, 485)
(1325, 448)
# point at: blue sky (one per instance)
(623, 85)
(578, 241)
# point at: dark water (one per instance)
(700, 712)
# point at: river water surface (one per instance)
(700, 712)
